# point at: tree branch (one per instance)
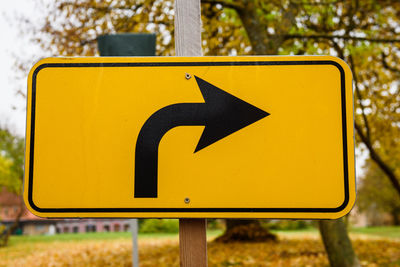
(88, 41)
(233, 5)
(305, 3)
(344, 37)
(99, 7)
(339, 50)
(386, 64)
(358, 94)
(378, 160)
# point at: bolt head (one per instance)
(188, 76)
(187, 200)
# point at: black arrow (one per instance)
(222, 114)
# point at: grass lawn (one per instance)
(378, 231)
(391, 232)
(383, 232)
(73, 237)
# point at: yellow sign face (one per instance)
(201, 137)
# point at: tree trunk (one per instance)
(5, 236)
(337, 244)
(262, 44)
(245, 231)
(395, 215)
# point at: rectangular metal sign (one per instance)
(206, 137)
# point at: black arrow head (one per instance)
(226, 114)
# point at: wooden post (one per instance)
(187, 28)
(193, 242)
(192, 232)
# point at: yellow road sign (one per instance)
(222, 137)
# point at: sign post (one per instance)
(128, 45)
(192, 232)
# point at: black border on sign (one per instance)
(189, 64)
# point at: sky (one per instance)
(15, 44)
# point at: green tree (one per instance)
(12, 149)
(376, 195)
(363, 33)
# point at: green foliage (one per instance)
(159, 226)
(378, 231)
(11, 161)
(5, 170)
(11, 171)
(215, 224)
(376, 195)
(289, 225)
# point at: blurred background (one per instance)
(366, 34)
